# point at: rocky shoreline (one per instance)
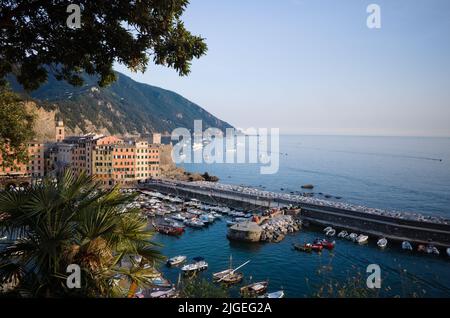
(275, 229)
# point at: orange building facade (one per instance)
(109, 159)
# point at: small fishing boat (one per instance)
(176, 260)
(164, 293)
(331, 232)
(326, 244)
(160, 282)
(343, 234)
(431, 249)
(198, 265)
(232, 278)
(168, 229)
(230, 275)
(194, 223)
(277, 294)
(254, 289)
(382, 242)
(361, 239)
(314, 247)
(302, 248)
(178, 217)
(352, 237)
(407, 246)
(206, 218)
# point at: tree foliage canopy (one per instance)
(16, 127)
(70, 220)
(35, 38)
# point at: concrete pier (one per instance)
(371, 224)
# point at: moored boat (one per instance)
(330, 232)
(407, 246)
(277, 294)
(431, 249)
(352, 237)
(163, 293)
(198, 265)
(254, 289)
(302, 248)
(361, 239)
(382, 242)
(168, 229)
(176, 260)
(343, 234)
(326, 244)
(314, 247)
(448, 251)
(178, 217)
(327, 229)
(230, 275)
(194, 223)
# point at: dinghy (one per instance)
(343, 234)
(352, 237)
(330, 232)
(382, 242)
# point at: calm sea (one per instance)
(409, 174)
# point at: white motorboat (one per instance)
(199, 265)
(178, 217)
(277, 294)
(3, 238)
(407, 246)
(352, 237)
(382, 242)
(216, 215)
(448, 251)
(206, 219)
(431, 249)
(176, 260)
(343, 234)
(327, 229)
(194, 223)
(362, 239)
(330, 232)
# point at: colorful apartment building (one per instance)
(109, 159)
(125, 162)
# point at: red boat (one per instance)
(169, 230)
(314, 247)
(326, 244)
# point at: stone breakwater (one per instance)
(302, 199)
(275, 229)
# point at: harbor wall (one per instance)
(372, 224)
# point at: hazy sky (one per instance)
(313, 66)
